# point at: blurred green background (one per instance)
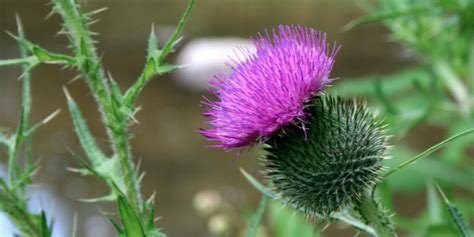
(173, 155)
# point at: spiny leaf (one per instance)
(456, 216)
(86, 139)
(152, 44)
(131, 223)
(174, 37)
(48, 57)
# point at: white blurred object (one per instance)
(42, 197)
(204, 57)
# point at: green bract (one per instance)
(333, 161)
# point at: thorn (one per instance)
(68, 96)
(11, 35)
(75, 79)
(18, 23)
(94, 12)
(93, 22)
(51, 116)
(50, 14)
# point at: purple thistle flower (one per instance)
(268, 89)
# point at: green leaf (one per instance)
(120, 231)
(131, 222)
(427, 152)
(88, 143)
(456, 216)
(45, 229)
(174, 37)
(152, 44)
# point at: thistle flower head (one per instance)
(268, 89)
(330, 165)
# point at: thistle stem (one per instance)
(91, 67)
(374, 215)
(258, 216)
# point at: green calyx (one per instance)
(330, 163)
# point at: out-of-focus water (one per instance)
(174, 157)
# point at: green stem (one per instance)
(154, 63)
(258, 216)
(375, 216)
(20, 61)
(90, 66)
(26, 97)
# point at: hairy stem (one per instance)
(374, 215)
(91, 67)
(25, 97)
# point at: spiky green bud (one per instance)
(333, 161)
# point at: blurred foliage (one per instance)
(437, 95)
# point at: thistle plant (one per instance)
(323, 153)
(117, 108)
(14, 186)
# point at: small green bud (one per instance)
(331, 163)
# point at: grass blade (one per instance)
(427, 152)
